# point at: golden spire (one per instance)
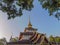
(29, 24)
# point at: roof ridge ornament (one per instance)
(11, 37)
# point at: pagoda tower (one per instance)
(30, 36)
(28, 32)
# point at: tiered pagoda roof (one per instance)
(30, 36)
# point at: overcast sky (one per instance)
(39, 17)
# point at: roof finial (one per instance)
(29, 19)
(11, 37)
(29, 24)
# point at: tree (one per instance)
(54, 39)
(3, 41)
(51, 39)
(14, 39)
(57, 39)
(53, 7)
(15, 8)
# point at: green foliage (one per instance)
(54, 39)
(15, 8)
(52, 6)
(2, 41)
(57, 39)
(14, 39)
(51, 38)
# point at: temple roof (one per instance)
(27, 28)
(26, 33)
(36, 38)
(21, 42)
(33, 38)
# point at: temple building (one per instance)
(30, 36)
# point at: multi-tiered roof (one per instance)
(30, 36)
